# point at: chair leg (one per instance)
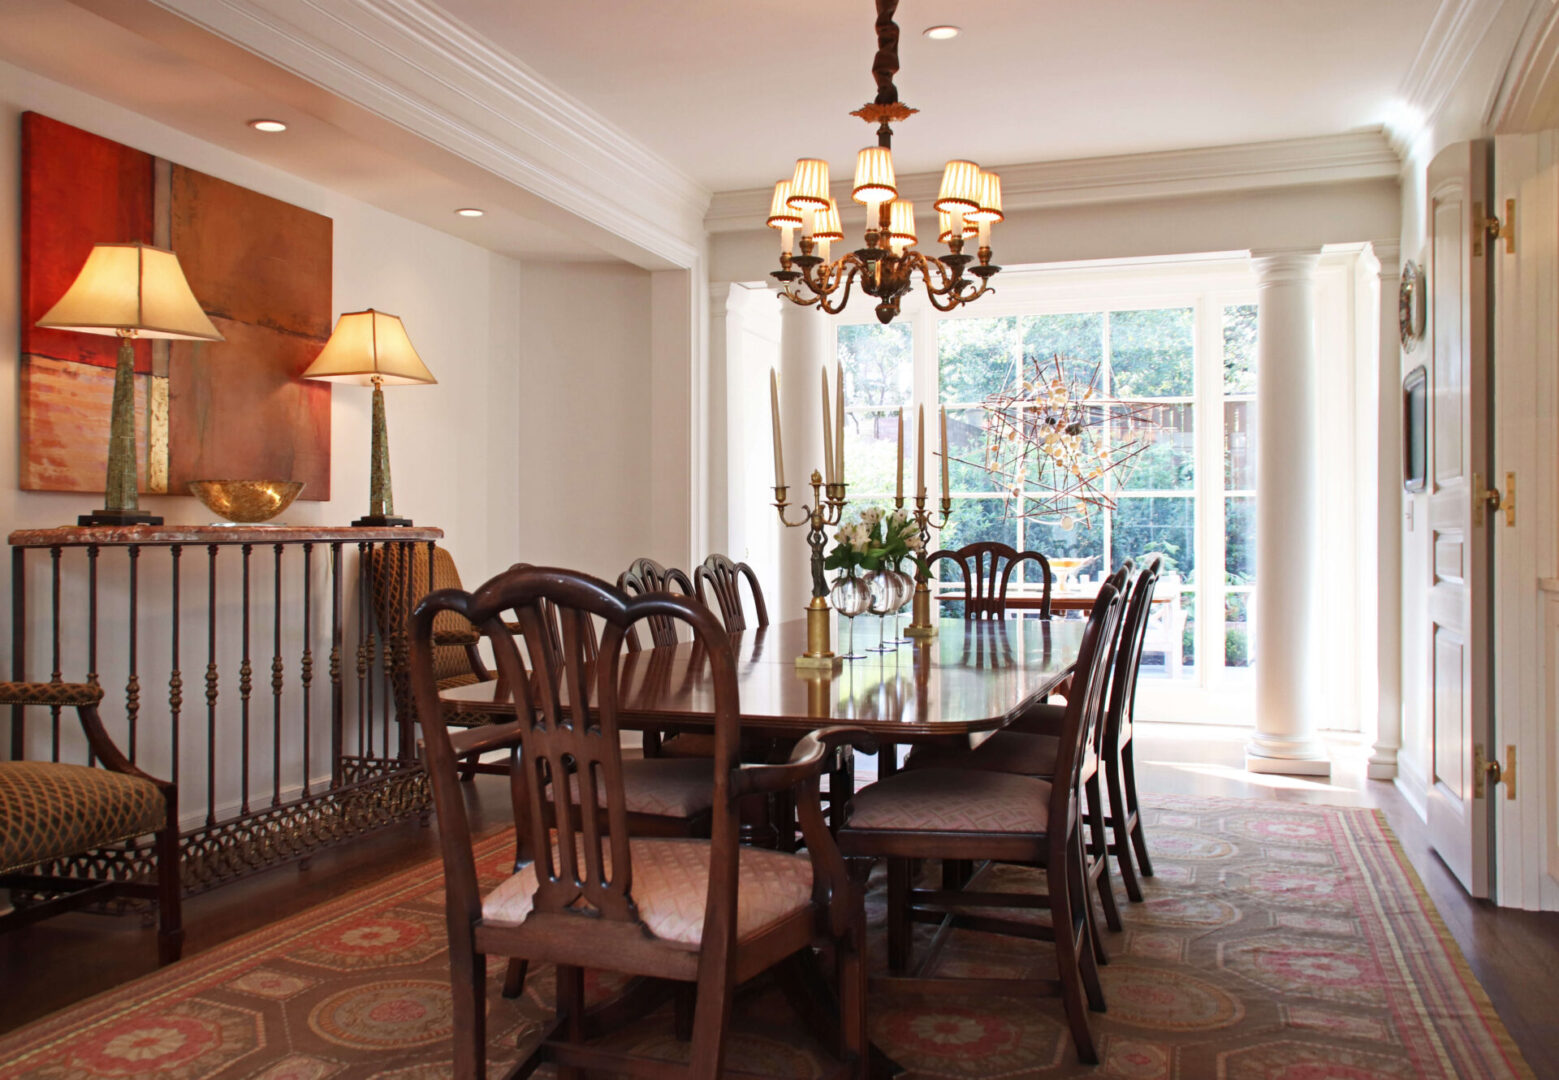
(1067, 967)
(1120, 817)
(170, 889)
(571, 1014)
(711, 1016)
(1129, 771)
(853, 1036)
(1101, 846)
(898, 915)
(514, 977)
(468, 986)
(1089, 951)
(683, 1003)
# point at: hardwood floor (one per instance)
(1514, 954)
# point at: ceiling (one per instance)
(731, 91)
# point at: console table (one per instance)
(268, 774)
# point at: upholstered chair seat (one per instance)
(671, 885)
(1005, 751)
(49, 810)
(952, 801)
(664, 787)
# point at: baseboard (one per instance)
(1413, 787)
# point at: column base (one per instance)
(1382, 765)
(1286, 757)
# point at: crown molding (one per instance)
(1326, 159)
(1453, 37)
(413, 65)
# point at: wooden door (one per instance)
(1456, 256)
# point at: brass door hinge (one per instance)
(1482, 497)
(1495, 228)
(1485, 772)
(1509, 502)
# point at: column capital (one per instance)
(1284, 266)
(719, 298)
(1389, 253)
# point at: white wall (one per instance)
(584, 475)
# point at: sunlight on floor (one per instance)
(1226, 772)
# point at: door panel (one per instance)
(1459, 595)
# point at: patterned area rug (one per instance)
(1277, 942)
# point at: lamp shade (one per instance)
(826, 226)
(874, 180)
(960, 187)
(131, 287)
(901, 221)
(366, 345)
(990, 199)
(809, 186)
(780, 213)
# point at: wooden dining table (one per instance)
(971, 677)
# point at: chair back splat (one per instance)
(643, 577)
(721, 577)
(987, 571)
(1077, 753)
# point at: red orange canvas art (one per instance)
(261, 268)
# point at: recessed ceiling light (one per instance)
(268, 125)
(470, 211)
(940, 33)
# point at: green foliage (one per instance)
(978, 357)
(1152, 353)
(1239, 349)
(878, 364)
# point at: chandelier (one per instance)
(968, 201)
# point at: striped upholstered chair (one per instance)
(51, 811)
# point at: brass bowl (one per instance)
(246, 501)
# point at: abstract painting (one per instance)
(228, 410)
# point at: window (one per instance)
(1184, 353)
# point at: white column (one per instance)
(1388, 528)
(804, 348)
(1287, 502)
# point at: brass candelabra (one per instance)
(920, 625)
(827, 508)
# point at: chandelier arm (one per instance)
(790, 294)
(821, 286)
(849, 280)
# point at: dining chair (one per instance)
(953, 814)
(1035, 754)
(1027, 744)
(588, 895)
(721, 578)
(987, 569)
(399, 575)
(56, 818)
(644, 576)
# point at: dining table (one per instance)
(968, 679)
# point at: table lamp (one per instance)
(370, 348)
(132, 290)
